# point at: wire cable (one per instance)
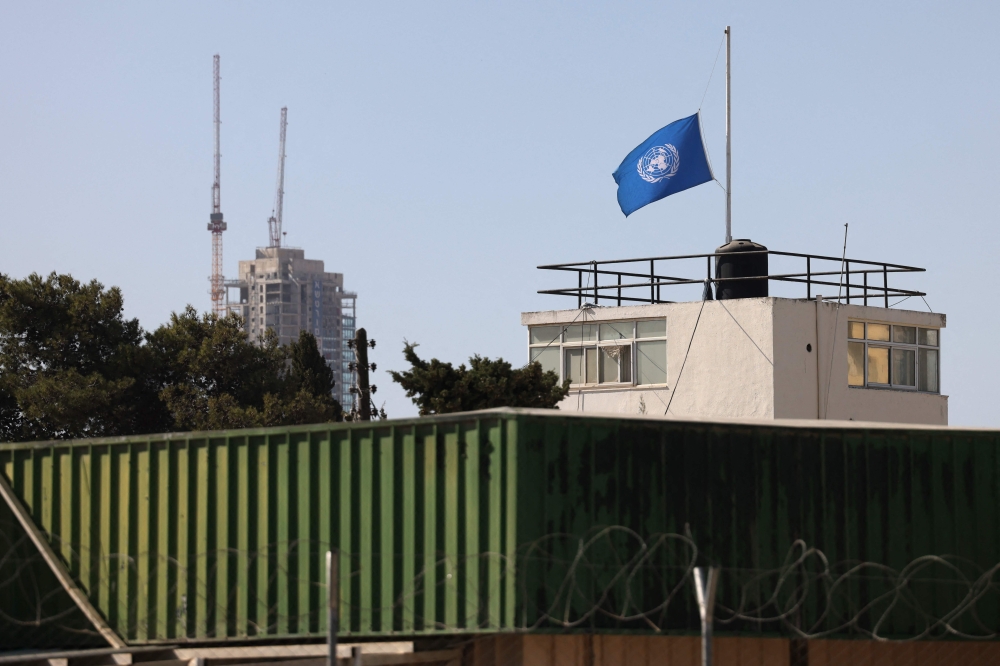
(684, 362)
(717, 53)
(746, 334)
(836, 324)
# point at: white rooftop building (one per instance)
(760, 357)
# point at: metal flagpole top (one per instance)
(729, 151)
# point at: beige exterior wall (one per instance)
(839, 401)
(756, 358)
(808, 386)
(725, 373)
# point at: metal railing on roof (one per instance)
(851, 276)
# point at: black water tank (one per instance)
(735, 264)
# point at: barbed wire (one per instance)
(609, 578)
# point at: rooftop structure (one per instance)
(283, 291)
(747, 354)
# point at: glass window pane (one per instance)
(878, 364)
(651, 362)
(548, 357)
(610, 358)
(591, 365)
(856, 330)
(929, 337)
(903, 370)
(878, 332)
(657, 328)
(545, 334)
(855, 363)
(581, 333)
(574, 365)
(904, 334)
(928, 380)
(619, 330)
(626, 363)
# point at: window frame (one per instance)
(891, 345)
(598, 345)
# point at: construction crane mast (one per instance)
(274, 222)
(216, 224)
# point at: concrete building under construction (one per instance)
(283, 291)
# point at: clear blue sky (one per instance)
(438, 152)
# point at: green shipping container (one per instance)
(505, 520)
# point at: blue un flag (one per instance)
(670, 161)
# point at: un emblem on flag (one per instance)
(658, 163)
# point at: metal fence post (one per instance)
(705, 582)
(597, 296)
(848, 280)
(652, 279)
(808, 278)
(332, 606)
(885, 283)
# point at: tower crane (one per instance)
(274, 222)
(216, 224)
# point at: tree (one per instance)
(72, 366)
(440, 388)
(68, 361)
(309, 392)
(213, 377)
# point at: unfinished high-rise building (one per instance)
(283, 291)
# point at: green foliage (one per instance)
(68, 360)
(440, 388)
(72, 366)
(215, 378)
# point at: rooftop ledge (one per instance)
(591, 313)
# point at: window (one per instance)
(651, 362)
(604, 353)
(581, 365)
(893, 356)
(581, 333)
(656, 328)
(548, 357)
(545, 334)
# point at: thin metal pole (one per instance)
(706, 580)
(808, 279)
(332, 607)
(579, 289)
(596, 296)
(356, 655)
(847, 266)
(652, 279)
(843, 260)
(729, 145)
(885, 283)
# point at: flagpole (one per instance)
(729, 152)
